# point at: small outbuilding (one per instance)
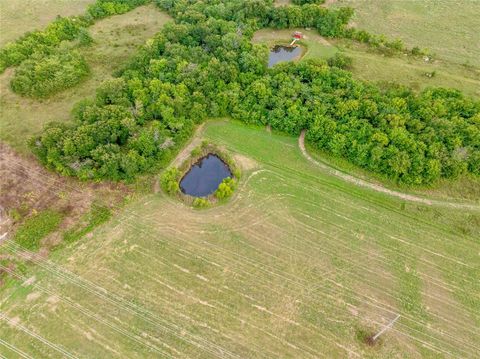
(297, 35)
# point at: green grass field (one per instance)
(448, 28)
(297, 264)
(116, 39)
(20, 16)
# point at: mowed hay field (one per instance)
(296, 264)
(116, 39)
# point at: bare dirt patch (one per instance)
(365, 336)
(27, 188)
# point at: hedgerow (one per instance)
(105, 8)
(204, 65)
(41, 76)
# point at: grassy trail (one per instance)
(377, 187)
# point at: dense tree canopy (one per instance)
(204, 65)
(41, 76)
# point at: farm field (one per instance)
(115, 40)
(371, 66)
(334, 210)
(297, 264)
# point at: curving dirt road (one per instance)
(377, 187)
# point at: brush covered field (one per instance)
(299, 263)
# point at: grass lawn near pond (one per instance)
(297, 264)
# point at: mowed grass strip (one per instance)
(297, 264)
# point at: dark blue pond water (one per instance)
(205, 176)
(283, 53)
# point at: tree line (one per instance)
(204, 65)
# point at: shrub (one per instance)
(303, 2)
(200, 203)
(197, 151)
(34, 229)
(169, 181)
(42, 76)
(225, 189)
(84, 37)
(104, 8)
(341, 61)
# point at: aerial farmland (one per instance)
(239, 179)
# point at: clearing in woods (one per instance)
(297, 264)
(372, 66)
(116, 39)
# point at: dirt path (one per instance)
(185, 153)
(377, 187)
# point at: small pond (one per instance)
(204, 176)
(283, 53)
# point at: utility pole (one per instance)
(388, 326)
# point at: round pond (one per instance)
(283, 53)
(204, 176)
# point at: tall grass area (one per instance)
(97, 215)
(297, 264)
(37, 227)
